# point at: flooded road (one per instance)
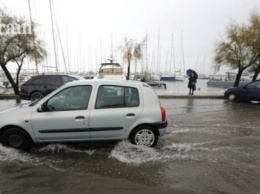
(211, 146)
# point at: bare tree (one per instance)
(240, 48)
(255, 27)
(17, 41)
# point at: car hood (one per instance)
(15, 114)
(236, 88)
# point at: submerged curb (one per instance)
(9, 96)
(191, 96)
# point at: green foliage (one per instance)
(241, 47)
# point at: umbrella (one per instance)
(190, 71)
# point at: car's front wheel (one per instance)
(16, 138)
(232, 97)
(144, 135)
(36, 95)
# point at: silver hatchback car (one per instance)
(87, 110)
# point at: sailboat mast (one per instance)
(111, 56)
(182, 47)
(146, 52)
(158, 52)
(53, 37)
(68, 56)
(30, 14)
(172, 57)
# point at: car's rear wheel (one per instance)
(16, 138)
(144, 135)
(36, 95)
(232, 97)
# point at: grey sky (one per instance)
(88, 27)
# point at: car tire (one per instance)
(232, 97)
(16, 138)
(36, 95)
(144, 135)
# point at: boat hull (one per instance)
(168, 78)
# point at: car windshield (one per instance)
(254, 85)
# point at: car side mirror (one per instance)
(42, 108)
(39, 109)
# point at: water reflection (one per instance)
(190, 104)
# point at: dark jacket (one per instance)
(192, 81)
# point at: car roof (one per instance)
(107, 82)
(69, 75)
(55, 75)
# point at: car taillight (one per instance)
(163, 113)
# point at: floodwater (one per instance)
(211, 146)
(180, 88)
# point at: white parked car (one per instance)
(87, 110)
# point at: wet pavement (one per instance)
(211, 146)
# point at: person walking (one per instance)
(192, 83)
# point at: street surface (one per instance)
(211, 146)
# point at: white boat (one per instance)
(179, 76)
(110, 70)
(170, 77)
(157, 84)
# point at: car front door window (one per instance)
(73, 98)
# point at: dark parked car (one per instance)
(39, 86)
(249, 92)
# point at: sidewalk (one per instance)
(7, 93)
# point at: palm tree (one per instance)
(131, 50)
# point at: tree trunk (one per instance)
(255, 76)
(18, 71)
(239, 73)
(10, 79)
(128, 71)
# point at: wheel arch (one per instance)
(30, 94)
(236, 95)
(3, 129)
(143, 124)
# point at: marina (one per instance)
(170, 89)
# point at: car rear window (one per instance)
(36, 80)
(117, 97)
(66, 79)
(53, 80)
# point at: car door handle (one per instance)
(79, 117)
(130, 114)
